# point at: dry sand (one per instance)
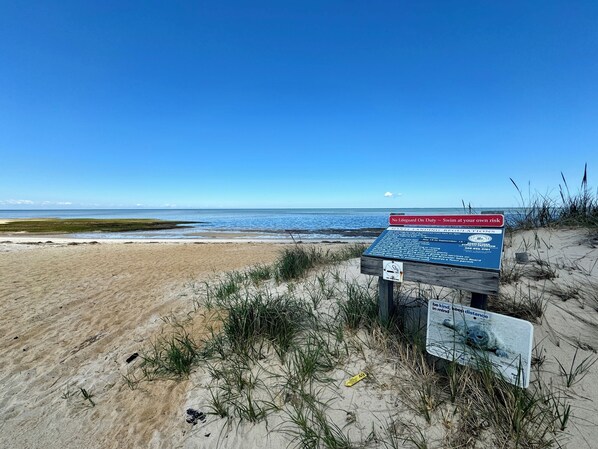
(71, 315)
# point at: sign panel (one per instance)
(476, 221)
(392, 270)
(461, 247)
(472, 337)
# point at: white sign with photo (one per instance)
(472, 336)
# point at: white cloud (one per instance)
(16, 202)
(31, 203)
(392, 195)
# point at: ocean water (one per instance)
(266, 223)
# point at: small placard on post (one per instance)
(392, 270)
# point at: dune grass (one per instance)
(76, 225)
(279, 350)
(295, 262)
(574, 209)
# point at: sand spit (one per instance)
(71, 315)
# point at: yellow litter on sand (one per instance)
(353, 380)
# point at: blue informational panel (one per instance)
(461, 247)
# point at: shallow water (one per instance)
(265, 223)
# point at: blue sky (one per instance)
(294, 104)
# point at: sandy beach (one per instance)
(73, 312)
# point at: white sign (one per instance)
(472, 336)
(392, 270)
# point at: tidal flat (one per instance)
(76, 225)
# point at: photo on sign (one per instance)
(471, 336)
(392, 271)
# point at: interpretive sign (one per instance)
(473, 337)
(454, 246)
(456, 251)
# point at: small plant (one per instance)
(427, 401)
(313, 429)
(525, 304)
(259, 274)
(349, 252)
(510, 273)
(309, 361)
(171, 356)
(538, 356)
(67, 394)
(295, 262)
(576, 372)
(562, 410)
(361, 306)
(540, 270)
(260, 316)
(249, 409)
(87, 396)
(218, 406)
(225, 288)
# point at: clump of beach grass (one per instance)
(577, 370)
(577, 209)
(359, 307)
(295, 262)
(171, 356)
(260, 316)
(522, 302)
(312, 427)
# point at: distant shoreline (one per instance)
(85, 229)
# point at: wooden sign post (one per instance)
(457, 251)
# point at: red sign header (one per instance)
(480, 221)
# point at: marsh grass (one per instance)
(539, 270)
(75, 225)
(223, 288)
(218, 404)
